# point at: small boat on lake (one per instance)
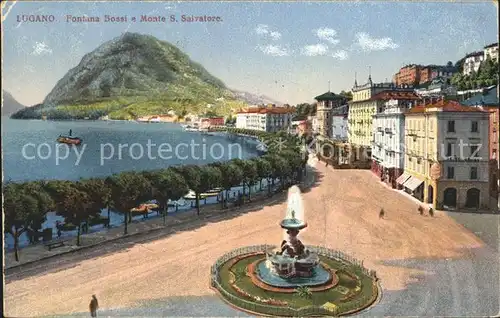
(69, 140)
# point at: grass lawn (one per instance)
(347, 286)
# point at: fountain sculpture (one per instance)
(292, 260)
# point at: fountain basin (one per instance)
(265, 274)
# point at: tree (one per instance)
(191, 174)
(280, 168)
(73, 204)
(24, 205)
(231, 176)
(210, 178)
(249, 173)
(167, 185)
(99, 194)
(263, 169)
(128, 190)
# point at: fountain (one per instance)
(292, 264)
(293, 279)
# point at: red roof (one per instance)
(274, 110)
(388, 95)
(445, 106)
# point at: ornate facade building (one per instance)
(388, 131)
(445, 163)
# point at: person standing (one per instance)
(93, 306)
(58, 227)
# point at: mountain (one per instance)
(253, 98)
(9, 104)
(135, 75)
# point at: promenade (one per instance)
(427, 266)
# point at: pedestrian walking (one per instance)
(381, 214)
(420, 210)
(93, 306)
(431, 211)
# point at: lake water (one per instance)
(30, 152)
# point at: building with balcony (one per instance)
(388, 132)
(445, 162)
(270, 119)
(365, 103)
(472, 62)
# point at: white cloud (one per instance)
(368, 43)
(274, 50)
(262, 29)
(41, 48)
(275, 35)
(315, 50)
(327, 34)
(340, 55)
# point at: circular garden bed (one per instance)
(350, 289)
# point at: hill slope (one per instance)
(135, 75)
(9, 104)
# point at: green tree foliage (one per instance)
(232, 176)
(128, 190)
(487, 75)
(25, 207)
(72, 203)
(167, 185)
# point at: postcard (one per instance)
(223, 158)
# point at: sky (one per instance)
(288, 51)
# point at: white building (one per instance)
(472, 62)
(389, 135)
(268, 119)
(314, 124)
(339, 127)
(491, 51)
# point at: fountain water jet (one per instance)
(292, 264)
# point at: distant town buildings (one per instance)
(270, 119)
(491, 51)
(472, 62)
(415, 74)
(439, 86)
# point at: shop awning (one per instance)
(402, 178)
(413, 183)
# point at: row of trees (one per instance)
(80, 202)
(487, 75)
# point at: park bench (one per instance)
(54, 244)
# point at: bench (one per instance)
(56, 244)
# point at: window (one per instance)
(449, 150)
(474, 127)
(451, 173)
(473, 173)
(451, 126)
(473, 151)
